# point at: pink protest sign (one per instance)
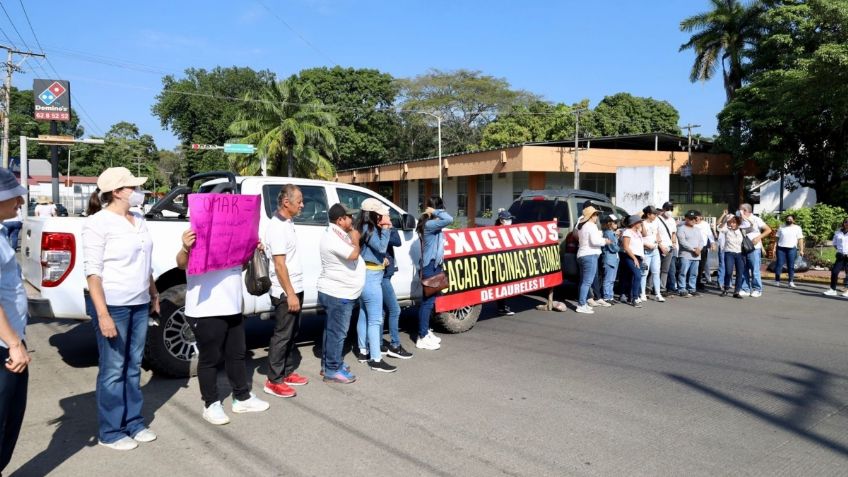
(227, 228)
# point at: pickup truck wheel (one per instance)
(459, 320)
(171, 348)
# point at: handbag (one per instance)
(431, 285)
(747, 244)
(257, 280)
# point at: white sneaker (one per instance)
(830, 292)
(585, 309)
(592, 302)
(792, 285)
(845, 294)
(660, 298)
(639, 301)
(433, 337)
(744, 293)
(254, 404)
(756, 294)
(214, 414)
(123, 444)
(643, 298)
(777, 284)
(603, 303)
(144, 435)
(427, 343)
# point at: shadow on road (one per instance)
(813, 393)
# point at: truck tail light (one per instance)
(58, 250)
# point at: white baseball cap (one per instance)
(115, 178)
(374, 205)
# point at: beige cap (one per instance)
(117, 177)
(42, 200)
(374, 205)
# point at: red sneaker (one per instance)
(279, 389)
(295, 379)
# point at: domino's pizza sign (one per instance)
(52, 100)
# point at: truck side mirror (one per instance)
(408, 222)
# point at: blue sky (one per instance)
(562, 50)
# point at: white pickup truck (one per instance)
(53, 262)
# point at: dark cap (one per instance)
(650, 210)
(691, 214)
(9, 186)
(668, 206)
(504, 215)
(633, 220)
(609, 218)
(338, 211)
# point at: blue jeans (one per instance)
(369, 326)
(118, 393)
(13, 396)
(654, 261)
(13, 229)
(721, 267)
(752, 281)
(733, 260)
(390, 304)
(785, 255)
(588, 269)
(427, 303)
(671, 281)
(631, 277)
(687, 276)
(610, 271)
(335, 330)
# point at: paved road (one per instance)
(702, 386)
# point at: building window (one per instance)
(484, 195)
(421, 197)
(599, 182)
(404, 195)
(520, 183)
(462, 196)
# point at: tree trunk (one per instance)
(291, 164)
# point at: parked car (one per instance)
(566, 206)
(61, 210)
(53, 262)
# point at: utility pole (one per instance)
(576, 113)
(11, 67)
(689, 127)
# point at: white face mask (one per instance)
(136, 198)
(506, 222)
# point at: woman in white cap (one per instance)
(591, 242)
(44, 208)
(122, 294)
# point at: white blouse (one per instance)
(119, 252)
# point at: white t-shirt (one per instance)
(652, 228)
(752, 227)
(340, 277)
(706, 232)
(591, 240)
(216, 293)
(789, 235)
(280, 239)
(45, 210)
(120, 254)
(637, 244)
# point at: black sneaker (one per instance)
(398, 352)
(382, 366)
(384, 349)
(362, 358)
(505, 311)
(695, 293)
(636, 304)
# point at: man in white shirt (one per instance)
(340, 283)
(286, 275)
(840, 243)
(668, 234)
(704, 272)
(755, 229)
(790, 244)
(13, 320)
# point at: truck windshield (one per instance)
(529, 210)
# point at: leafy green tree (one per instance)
(792, 113)
(200, 108)
(722, 36)
(288, 126)
(366, 127)
(124, 146)
(466, 101)
(624, 113)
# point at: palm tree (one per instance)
(723, 36)
(288, 125)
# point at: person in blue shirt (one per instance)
(429, 228)
(609, 256)
(390, 302)
(375, 229)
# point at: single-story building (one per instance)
(74, 191)
(476, 184)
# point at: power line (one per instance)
(30, 26)
(302, 38)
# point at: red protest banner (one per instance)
(490, 263)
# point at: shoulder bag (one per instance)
(434, 284)
(257, 280)
(747, 244)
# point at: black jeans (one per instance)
(13, 396)
(840, 264)
(216, 335)
(666, 266)
(283, 355)
(703, 271)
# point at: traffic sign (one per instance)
(239, 148)
(205, 147)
